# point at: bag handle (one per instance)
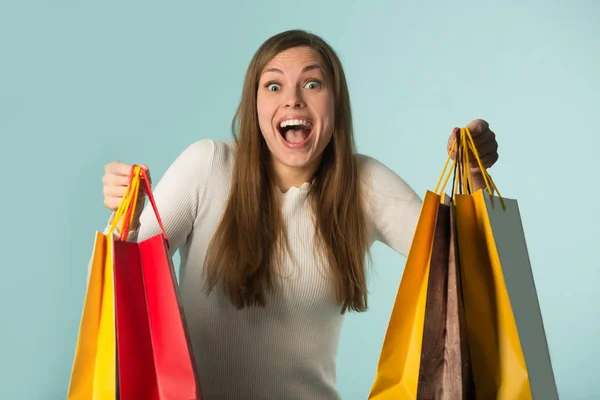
(469, 144)
(132, 187)
(129, 201)
(463, 179)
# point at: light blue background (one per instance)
(83, 83)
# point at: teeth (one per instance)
(294, 122)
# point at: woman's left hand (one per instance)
(485, 143)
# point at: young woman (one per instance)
(273, 228)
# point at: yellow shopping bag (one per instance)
(507, 343)
(94, 369)
(506, 354)
(398, 370)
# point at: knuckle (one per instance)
(113, 203)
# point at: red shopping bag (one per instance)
(154, 356)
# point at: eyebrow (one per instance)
(305, 69)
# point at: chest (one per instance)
(303, 282)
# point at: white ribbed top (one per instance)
(288, 349)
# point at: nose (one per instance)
(294, 99)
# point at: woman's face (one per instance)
(295, 106)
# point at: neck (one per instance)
(287, 177)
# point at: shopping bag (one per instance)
(419, 360)
(93, 374)
(153, 345)
(458, 375)
(504, 231)
(444, 372)
(398, 368)
(507, 342)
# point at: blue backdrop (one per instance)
(83, 83)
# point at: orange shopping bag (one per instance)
(418, 359)
(93, 374)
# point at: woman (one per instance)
(273, 228)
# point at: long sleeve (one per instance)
(287, 349)
(394, 207)
(178, 196)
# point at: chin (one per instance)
(297, 160)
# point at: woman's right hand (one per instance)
(114, 184)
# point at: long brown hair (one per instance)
(248, 243)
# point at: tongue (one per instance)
(296, 135)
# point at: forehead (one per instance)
(295, 58)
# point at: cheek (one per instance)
(265, 113)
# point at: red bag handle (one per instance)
(148, 190)
(130, 206)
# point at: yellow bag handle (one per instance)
(125, 210)
(463, 179)
(437, 186)
(491, 186)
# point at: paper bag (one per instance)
(153, 345)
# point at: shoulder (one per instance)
(209, 148)
(203, 166)
(392, 204)
(204, 153)
(379, 180)
(200, 162)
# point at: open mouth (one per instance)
(295, 131)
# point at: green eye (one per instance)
(313, 85)
(273, 87)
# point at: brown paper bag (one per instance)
(445, 369)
